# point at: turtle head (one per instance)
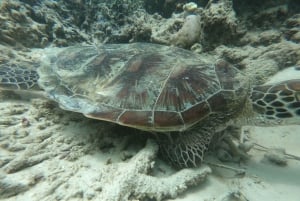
(280, 97)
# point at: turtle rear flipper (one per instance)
(277, 101)
(16, 78)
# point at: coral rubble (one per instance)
(64, 156)
(130, 179)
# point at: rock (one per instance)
(189, 33)
(190, 7)
(276, 156)
(132, 179)
(221, 25)
(292, 28)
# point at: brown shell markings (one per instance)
(146, 86)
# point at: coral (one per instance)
(220, 24)
(66, 156)
(119, 21)
(36, 25)
(189, 33)
(292, 28)
(263, 14)
(10, 188)
(190, 7)
(264, 38)
(61, 23)
(19, 29)
(26, 23)
(131, 179)
(210, 26)
(164, 8)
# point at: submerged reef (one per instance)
(48, 153)
(62, 23)
(130, 179)
(37, 24)
(66, 156)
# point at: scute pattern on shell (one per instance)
(146, 86)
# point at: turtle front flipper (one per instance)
(187, 148)
(277, 101)
(16, 78)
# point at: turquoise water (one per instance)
(81, 119)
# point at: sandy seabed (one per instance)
(50, 154)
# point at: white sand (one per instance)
(263, 180)
(70, 165)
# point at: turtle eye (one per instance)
(222, 66)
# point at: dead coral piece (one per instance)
(189, 33)
(220, 24)
(24, 162)
(190, 7)
(292, 28)
(11, 185)
(36, 25)
(267, 17)
(276, 156)
(210, 26)
(131, 179)
(18, 28)
(10, 188)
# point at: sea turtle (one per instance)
(165, 90)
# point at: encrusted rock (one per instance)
(129, 180)
(189, 33)
(220, 24)
(190, 7)
(292, 28)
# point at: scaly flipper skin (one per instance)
(277, 101)
(16, 78)
(187, 148)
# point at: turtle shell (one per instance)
(146, 86)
